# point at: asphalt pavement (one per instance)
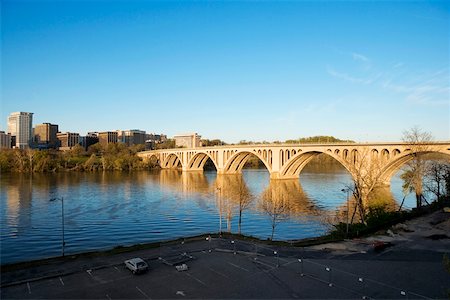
(234, 269)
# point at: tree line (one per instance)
(98, 157)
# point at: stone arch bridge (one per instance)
(286, 161)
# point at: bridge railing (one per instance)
(305, 145)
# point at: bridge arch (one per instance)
(171, 161)
(399, 160)
(236, 162)
(198, 161)
(153, 159)
(295, 165)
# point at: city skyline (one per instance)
(234, 71)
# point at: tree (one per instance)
(215, 142)
(244, 198)
(414, 173)
(434, 182)
(364, 168)
(6, 160)
(275, 205)
(30, 155)
(168, 144)
(19, 160)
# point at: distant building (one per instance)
(189, 140)
(157, 138)
(152, 139)
(93, 133)
(131, 137)
(45, 135)
(107, 137)
(5, 140)
(68, 140)
(20, 125)
(90, 139)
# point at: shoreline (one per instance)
(332, 237)
(431, 226)
(152, 245)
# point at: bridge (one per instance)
(286, 161)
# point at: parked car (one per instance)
(136, 265)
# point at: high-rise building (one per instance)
(189, 140)
(68, 140)
(45, 135)
(20, 125)
(5, 140)
(107, 137)
(131, 137)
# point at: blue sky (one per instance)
(252, 70)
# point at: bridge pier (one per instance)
(185, 169)
(278, 176)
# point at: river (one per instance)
(104, 210)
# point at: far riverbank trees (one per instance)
(98, 157)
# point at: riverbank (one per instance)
(417, 244)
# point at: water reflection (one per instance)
(184, 182)
(283, 199)
(104, 209)
(232, 195)
(381, 197)
(291, 194)
(18, 203)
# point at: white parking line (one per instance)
(236, 266)
(60, 279)
(29, 288)
(289, 263)
(219, 273)
(265, 264)
(195, 278)
(145, 295)
(107, 296)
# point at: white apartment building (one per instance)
(20, 126)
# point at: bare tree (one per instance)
(435, 178)
(275, 205)
(233, 194)
(30, 155)
(418, 141)
(244, 199)
(364, 167)
(20, 160)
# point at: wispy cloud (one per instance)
(398, 65)
(424, 89)
(350, 78)
(360, 57)
(421, 88)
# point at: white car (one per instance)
(136, 265)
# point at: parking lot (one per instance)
(234, 269)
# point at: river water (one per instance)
(104, 210)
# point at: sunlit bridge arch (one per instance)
(198, 161)
(171, 161)
(295, 164)
(154, 158)
(401, 159)
(237, 161)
